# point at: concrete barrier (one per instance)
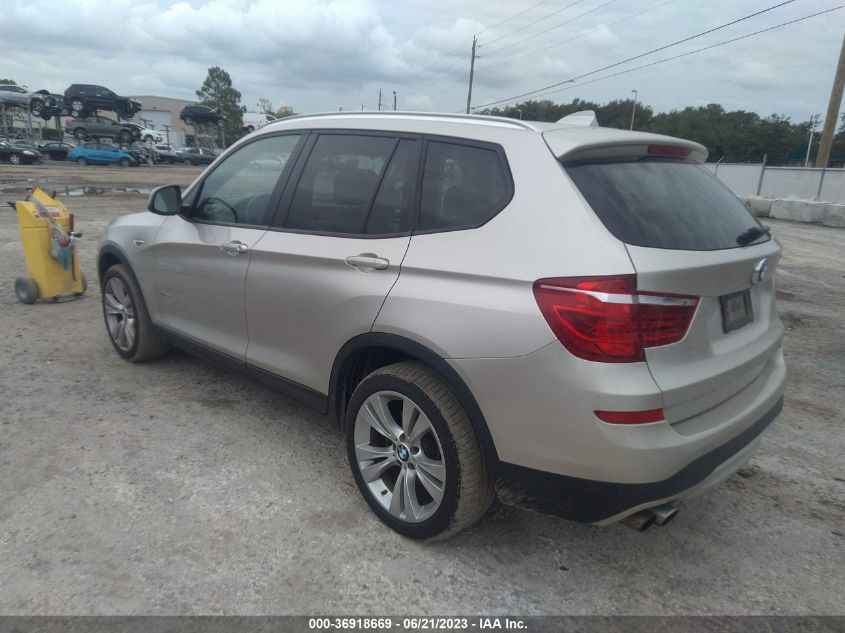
(834, 215)
(758, 205)
(792, 208)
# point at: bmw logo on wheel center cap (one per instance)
(403, 453)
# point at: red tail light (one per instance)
(605, 319)
(669, 150)
(630, 417)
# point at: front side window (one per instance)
(239, 189)
(339, 183)
(463, 186)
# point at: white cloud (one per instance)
(321, 54)
(754, 75)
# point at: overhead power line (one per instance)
(557, 26)
(469, 39)
(625, 61)
(513, 17)
(668, 59)
(534, 51)
(530, 24)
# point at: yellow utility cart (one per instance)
(49, 247)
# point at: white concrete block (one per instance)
(834, 215)
(758, 205)
(797, 210)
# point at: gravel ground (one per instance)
(176, 488)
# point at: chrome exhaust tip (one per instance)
(640, 521)
(664, 514)
(644, 519)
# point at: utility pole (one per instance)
(814, 121)
(634, 111)
(471, 73)
(832, 115)
(394, 101)
(379, 99)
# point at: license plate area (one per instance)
(736, 310)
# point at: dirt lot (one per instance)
(177, 488)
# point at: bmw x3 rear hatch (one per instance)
(688, 237)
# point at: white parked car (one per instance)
(146, 135)
(255, 120)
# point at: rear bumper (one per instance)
(603, 502)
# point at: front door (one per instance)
(201, 258)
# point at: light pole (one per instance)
(814, 121)
(634, 110)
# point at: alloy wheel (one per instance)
(120, 314)
(399, 456)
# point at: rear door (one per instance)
(320, 276)
(687, 234)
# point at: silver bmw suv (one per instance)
(577, 320)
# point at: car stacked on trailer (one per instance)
(102, 127)
(39, 102)
(85, 99)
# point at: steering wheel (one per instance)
(213, 205)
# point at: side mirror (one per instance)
(166, 200)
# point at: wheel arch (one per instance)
(110, 255)
(367, 352)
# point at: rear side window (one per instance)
(463, 186)
(339, 183)
(663, 204)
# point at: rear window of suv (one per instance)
(660, 203)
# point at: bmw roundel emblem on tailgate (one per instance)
(760, 271)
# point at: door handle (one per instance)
(365, 262)
(234, 248)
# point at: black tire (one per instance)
(15, 159)
(79, 134)
(147, 345)
(81, 161)
(123, 162)
(188, 120)
(26, 290)
(468, 490)
(250, 128)
(36, 106)
(125, 137)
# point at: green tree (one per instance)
(8, 82)
(265, 105)
(217, 92)
(283, 112)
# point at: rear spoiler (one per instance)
(579, 139)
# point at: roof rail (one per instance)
(584, 118)
(476, 118)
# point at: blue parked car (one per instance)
(100, 154)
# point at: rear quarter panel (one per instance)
(468, 293)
